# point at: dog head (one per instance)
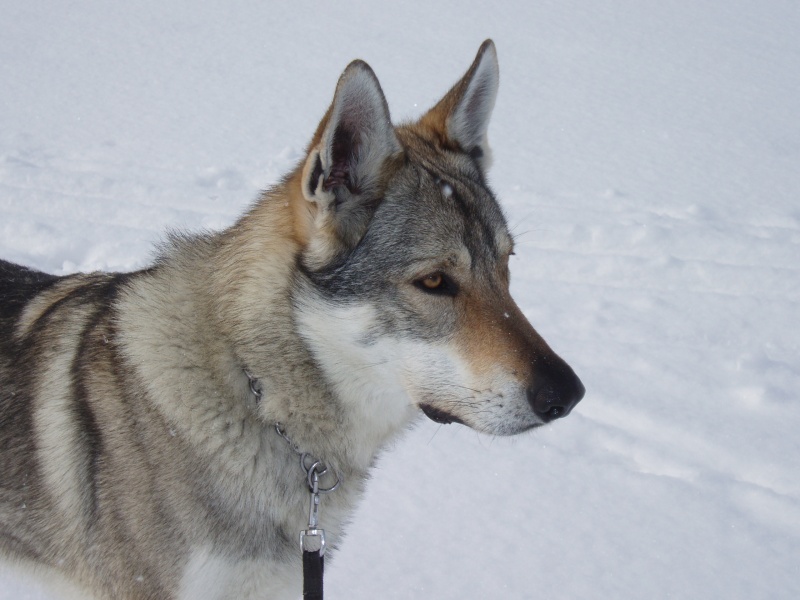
(404, 297)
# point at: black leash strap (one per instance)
(313, 567)
(312, 540)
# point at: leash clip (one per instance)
(313, 538)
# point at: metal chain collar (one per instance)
(313, 538)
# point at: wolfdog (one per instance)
(152, 423)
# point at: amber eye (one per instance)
(437, 283)
(432, 281)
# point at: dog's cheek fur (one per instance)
(367, 372)
(383, 359)
(472, 357)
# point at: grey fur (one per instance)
(370, 283)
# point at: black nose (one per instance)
(556, 394)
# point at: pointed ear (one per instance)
(345, 166)
(463, 114)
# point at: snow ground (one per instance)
(648, 156)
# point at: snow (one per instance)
(648, 157)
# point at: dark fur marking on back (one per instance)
(103, 296)
(86, 424)
(18, 470)
(19, 285)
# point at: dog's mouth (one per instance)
(439, 416)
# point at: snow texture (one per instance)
(648, 156)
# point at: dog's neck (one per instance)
(253, 286)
